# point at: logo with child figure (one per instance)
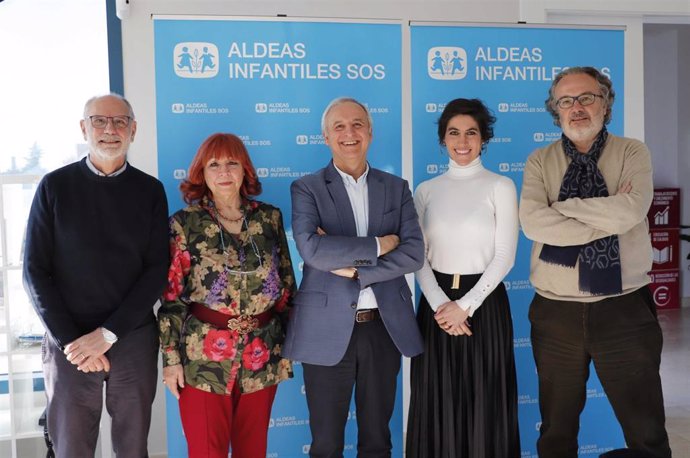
(195, 60)
(447, 63)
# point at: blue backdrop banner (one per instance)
(511, 70)
(268, 81)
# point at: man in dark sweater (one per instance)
(96, 261)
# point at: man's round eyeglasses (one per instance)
(584, 99)
(119, 122)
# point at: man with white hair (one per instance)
(356, 229)
(96, 261)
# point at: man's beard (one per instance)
(584, 133)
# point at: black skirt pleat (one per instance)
(463, 400)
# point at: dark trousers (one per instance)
(371, 364)
(75, 399)
(622, 337)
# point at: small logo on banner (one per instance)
(261, 108)
(178, 107)
(661, 217)
(432, 168)
(271, 423)
(302, 139)
(662, 296)
(431, 108)
(504, 167)
(179, 174)
(195, 60)
(262, 172)
(447, 63)
(306, 448)
(538, 136)
(503, 107)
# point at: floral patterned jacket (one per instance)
(247, 273)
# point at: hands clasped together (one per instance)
(452, 319)
(88, 352)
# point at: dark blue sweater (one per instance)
(96, 251)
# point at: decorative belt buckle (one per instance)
(456, 282)
(244, 324)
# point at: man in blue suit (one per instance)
(357, 231)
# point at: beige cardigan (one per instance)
(578, 221)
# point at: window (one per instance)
(54, 57)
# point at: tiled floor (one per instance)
(675, 377)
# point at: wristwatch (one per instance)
(355, 275)
(109, 336)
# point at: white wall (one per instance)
(667, 116)
(684, 146)
(661, 98)
(139, 56)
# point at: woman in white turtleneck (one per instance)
(463, 387)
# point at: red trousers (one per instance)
(212, 422)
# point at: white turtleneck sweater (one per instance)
(469, 216)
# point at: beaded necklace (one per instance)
(229, 220)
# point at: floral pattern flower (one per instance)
(194, 347)
(217, 290)
(255, 355)
(271, 286)
(284, 368)
(250, 385)
(172, 356)
(219, 345)
(179, 267)
(203, 270)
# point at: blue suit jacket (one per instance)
(323, 311)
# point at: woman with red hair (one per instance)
(223, 314)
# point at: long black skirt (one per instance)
(463, 400)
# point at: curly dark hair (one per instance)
(470, 107)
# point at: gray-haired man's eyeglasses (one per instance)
(119, 122)
(583, 99)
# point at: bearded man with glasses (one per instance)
(584, 204)
(96, 261)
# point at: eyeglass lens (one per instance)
(100, 122)
(583, 99)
